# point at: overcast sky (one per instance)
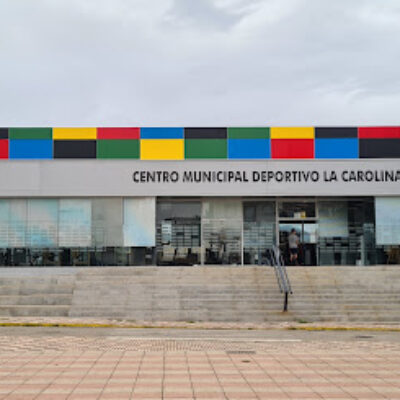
(199, 62)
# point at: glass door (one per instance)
(297, 242)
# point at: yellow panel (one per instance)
(75, 133)
(162, 149)
(292, 133)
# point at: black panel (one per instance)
(335, 132)
(205, 133)
(3, 133)
(74, 149)
(379, 148)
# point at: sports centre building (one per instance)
(196, 196)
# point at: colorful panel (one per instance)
(380, 132)
(248, 133)
(249, 148)
(162, 149)
(3, 148)
(3, 133)
(118, 149)
(336, 148)
(335, 132)
(74, 149)
(292, 133)
(74, 133)
(379, 148)
(161, 133)
(205, 133)
(292, 148)
(205, 148)
(30, 133)
(118, 133)
(31, 149)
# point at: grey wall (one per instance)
(114, 178)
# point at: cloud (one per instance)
(199, 62)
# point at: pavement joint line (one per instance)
(206, 339)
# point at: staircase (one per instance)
(345, 294)
(220, 294)
(32, 292)
(194, 294)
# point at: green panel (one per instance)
(248, 133)
(118, 149)
(205, 148)
(30, 133)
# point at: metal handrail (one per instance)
(281, 275)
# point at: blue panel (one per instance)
(31, 148)
(249, 148)
(336, 148)
(161, 133)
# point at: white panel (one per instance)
(140, 222)
(387, 220)
(332, 218)
(42, 223)
(75, 216)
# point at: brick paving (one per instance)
(129, 367)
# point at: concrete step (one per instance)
(42, 299)
(35, 310)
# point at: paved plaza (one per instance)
(74, 363)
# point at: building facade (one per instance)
(196, 196)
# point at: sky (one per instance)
(199, 62)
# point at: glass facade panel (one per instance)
(347, 233)
(178, 233)
(139, 222)
(42, 223)
(17, 223)
(228, 231)
(259, 227)
(222, 231)
(107, 222)
(75, 223)
(297, 209)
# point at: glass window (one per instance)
(178, 233)
(107, 222)
(222, 231)
(258, 231)
(139, 222)
(75, 220)
(297, 209)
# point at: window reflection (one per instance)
(258, 231)
(178, 233)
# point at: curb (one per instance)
(138, 326)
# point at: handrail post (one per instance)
(285, 304)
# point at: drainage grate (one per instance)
(240, 352)
(363, 337)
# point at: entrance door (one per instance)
(306, 232)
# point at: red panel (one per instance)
(118, 133)
(4, 148)
(379, 132)
(292, 148)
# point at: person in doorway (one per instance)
(293, 247)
